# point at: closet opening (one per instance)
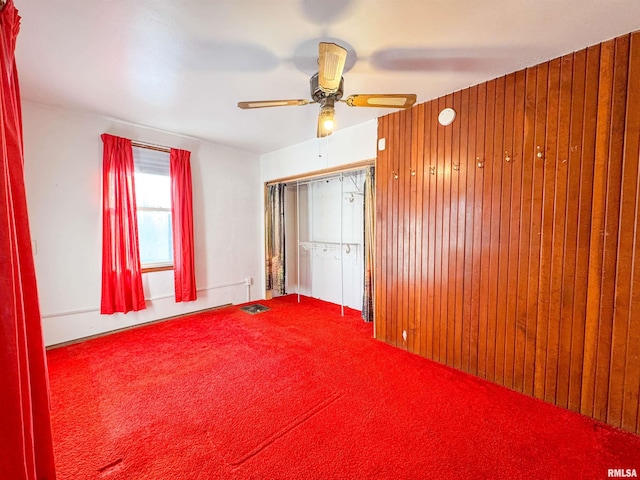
(319, 237)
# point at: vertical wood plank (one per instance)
(410, 222)
(417, 122)
(504, 327)
(409, 225)
(383, 179)
(432, 325)
(495, 325)
(604, 371)
(403, 202)
(377, 287)
(469, 279)
(425, 305)
(552, 230)
(533, 334)
(396, 299)
(516, 165)
(409, 213)
(445, 179)
(451, 179)
(523, 336)
(460, 135)
(587, 166)
(438, 321)
(394, 152)
(598, 211)
(546, 226)
(631, 399)
(476, 292)
(558, 240)
(623, 283)
(382, 187)
(632, 369)
(570, 241)
(420, 229)
(390, 234)
(484, 343)
(405, 194)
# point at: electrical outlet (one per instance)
(248, 281)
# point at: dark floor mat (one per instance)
(255, 308)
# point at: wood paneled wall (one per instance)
(508, 243)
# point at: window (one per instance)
(153, 199)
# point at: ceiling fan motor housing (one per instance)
(320, 96)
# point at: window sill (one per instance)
(156, 269)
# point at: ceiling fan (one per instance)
(327, 87)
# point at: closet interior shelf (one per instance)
(327, 245)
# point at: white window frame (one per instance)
(153, 266)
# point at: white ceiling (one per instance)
(182, 65)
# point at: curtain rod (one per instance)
(150, 146)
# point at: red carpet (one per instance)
(301, 392)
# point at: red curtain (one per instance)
(26, 450)
(121, 273)
(182, 223)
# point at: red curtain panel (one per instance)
(121, 273)
(26, 450)
(182, 222)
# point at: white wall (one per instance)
(346, 146)
(63, 162)
(354, 144)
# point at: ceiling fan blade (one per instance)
(331, 60)
(272, 103)
(391, 100)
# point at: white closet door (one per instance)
(325, 232)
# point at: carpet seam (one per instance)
(312, 412)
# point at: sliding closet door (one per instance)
(328, 238)
(324, 217)
(291, 239)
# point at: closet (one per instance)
(324, 237)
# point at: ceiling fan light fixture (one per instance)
(326, 121)
(328, 117)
